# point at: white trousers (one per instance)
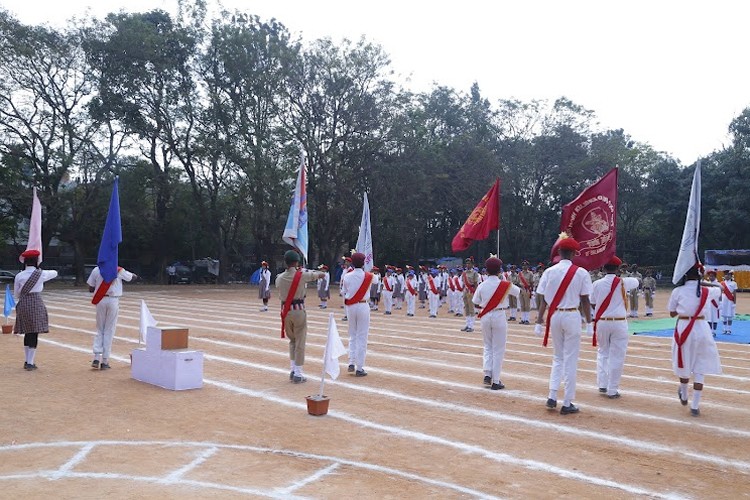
(387, 300)
(411, 301)
(565, 330)
(434, 300)
(106, 322)
(359, 329)
(612, 339)
(494, 333)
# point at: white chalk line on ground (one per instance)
(577, 432)
(205, 450)
(501, 458)
(443, 365)
(197, 317)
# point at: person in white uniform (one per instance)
(433, 292)
(713, 309)
(728, 302)
(359, 313)
(611, 326)
(564, 323)
(106, 314)
(324, 286)
(694, 352)
(386, 291)
(264, 285)
(411, 286)
(491, 298)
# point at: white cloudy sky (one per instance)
(671, 73)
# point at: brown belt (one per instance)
(612, 319)
(690, 317)
(567, 310)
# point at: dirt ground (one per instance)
(421, 424)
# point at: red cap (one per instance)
(569, 244)
(493, 265)
(28, 254)
(614, 261)
(347, 259)
(376, 268)
(358, 259)
(264, 263)
(323, 267)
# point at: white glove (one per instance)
(538, 330)
(590, 329)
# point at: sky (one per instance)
(672, 74)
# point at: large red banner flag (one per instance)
(591, 219)
(484, 218)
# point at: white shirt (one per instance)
(352, 281)
(552, 278)
(22, 277)
(265, 274)
(487, 288)
(601, 288)
(684, 301)
(115, 289)
(323, 282)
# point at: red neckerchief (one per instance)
(288, 301)
(682, 337)
(360, 293)
(500, 292)
(558, 297)
(604, 305)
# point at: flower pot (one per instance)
(7, 328)
(317, 405)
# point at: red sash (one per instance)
(103, 289)
(410, 288)
(360, 293)
(604, 305)
(500, 292)
(459, 287)
(467, 284)
(288, 301)
(682, 337)
(387, 284)
(558, 297)
(432, 285)
(725, 289)
(524, 282)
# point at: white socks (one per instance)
(683, 391)
(696, 399)
(30, 353)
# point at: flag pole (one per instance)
(498, 217)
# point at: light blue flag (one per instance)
(10, 303)
(295, 232)
(111, 238)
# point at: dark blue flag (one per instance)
(107, 259)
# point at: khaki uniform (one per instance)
(524, 299)
(295, 325)
(649, 289)
(633, 294)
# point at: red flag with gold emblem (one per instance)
(591, 219)
(484, 218)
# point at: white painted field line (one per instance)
(75, 460)
(509, 359)
(310, 479)
(256, 449)
(622, 441)
(177, 475)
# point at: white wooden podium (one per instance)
(174, 368)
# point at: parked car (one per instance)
(7, 276)
(183, 274)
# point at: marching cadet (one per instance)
(264, 285)
(451, 291)
(458, 285)
(375, 288)
(713, 309)
(512, 276)
(398, 288)
(357, 285)
(324, 282)
(422, 286)
(443, 284)
(470, 281)
(389, 283)
(649, 290)
(491, 297)
(411, 283)
(524, 280)
(633, 294)
(728, 301)
(346, 268)
(433, 292)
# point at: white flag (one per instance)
(295, 231)
(334, 349)
(688, 254)
(35, 228)
(146, 320)
(364, 241)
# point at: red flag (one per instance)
(592, 220)
(484, 218)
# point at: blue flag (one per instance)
(111, 238)
(10, 303)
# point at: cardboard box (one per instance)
(176, 370)
(166, 338)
